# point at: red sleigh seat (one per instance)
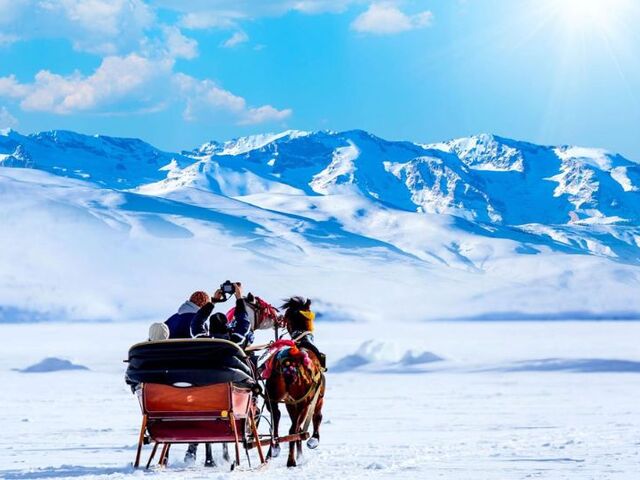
(195, 414)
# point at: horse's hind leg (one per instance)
(298, 449)
(314, 441)
(274, 450)
(208, 462)
(295, 428)
(291, 461)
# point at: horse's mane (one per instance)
(296, 303)
(292, 306)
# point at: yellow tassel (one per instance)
(310, 316)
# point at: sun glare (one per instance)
(582, 13)
(588, 15)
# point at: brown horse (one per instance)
(296, 379)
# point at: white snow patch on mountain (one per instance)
(246, 144)
(339, 172)
(484, 152)
(595, 157)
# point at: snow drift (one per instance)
(381, 357)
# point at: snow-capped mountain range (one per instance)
(477, 226)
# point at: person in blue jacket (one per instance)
(238, 331)
(180, 323)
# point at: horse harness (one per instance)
(315, 388)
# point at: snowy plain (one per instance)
(509, 400)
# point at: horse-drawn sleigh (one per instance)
(208, 390)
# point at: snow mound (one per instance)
(412, 357)
(383, 357)
(52, 364)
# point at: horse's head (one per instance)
(262, 315)
(298, 314)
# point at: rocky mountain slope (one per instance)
(478, 226)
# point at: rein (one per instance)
(263, 346)
(314, 388)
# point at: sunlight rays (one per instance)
(585, 40)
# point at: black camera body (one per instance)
(228, 288)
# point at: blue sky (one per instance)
(178, 73)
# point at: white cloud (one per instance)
(131, 84)
(263, 114)
(255, 8)
(101, 27)
(96, 26)
(137, 69)
(204, 99)
(177, 45)
(10, 10)
(6, 119)
(11, 88)
(320, 6)
(236, 39)
(8, 39)
(227, 14)
(386, 19)
(202, 95)
(120, 27)
(117, 80)
(210, 19)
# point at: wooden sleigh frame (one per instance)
(220, 413)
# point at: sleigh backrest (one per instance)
(165, 401)
(192, 362)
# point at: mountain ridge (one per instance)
(507, 219)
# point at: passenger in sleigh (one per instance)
(205, 323)
(299, 318)
(178, 325)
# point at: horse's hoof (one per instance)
(274, 451)
(209, 463)
(291, 463)
(313, 442)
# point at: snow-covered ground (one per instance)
(509, 400)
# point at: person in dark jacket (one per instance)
(238, 331)
(218, 327)
(179, 324)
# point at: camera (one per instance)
(229, 288)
